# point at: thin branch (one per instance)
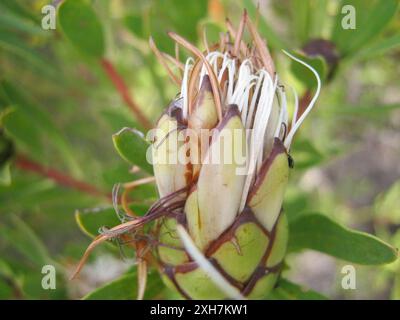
(62, 179)
(123, 90)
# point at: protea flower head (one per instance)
(221, 162)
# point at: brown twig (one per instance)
(123, 90)
(62, 179)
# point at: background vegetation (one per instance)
(61, 100)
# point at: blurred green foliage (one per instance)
(59, 111)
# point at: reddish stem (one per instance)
(61, 179)
(123, 90)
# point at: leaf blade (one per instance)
(82, 27)
(318, 232)
(132, 147)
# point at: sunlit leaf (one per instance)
(132, 147)
(318, 232)
(82, 27)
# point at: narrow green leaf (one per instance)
(26, 135)
(318, 232)
(273, 39)
(20, 236)
(132, 147)
(12, 22)
(301, 19)
(18, 47)
(82, 27)
(287, 290)
(39, 119)
(387, 205)
(371, 18)
(125, 288)
(21, 9)
(395, 294)
(360, 110)
(380, 47)
(118, 118)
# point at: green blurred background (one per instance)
(59, 109)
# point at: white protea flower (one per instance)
(220, 231)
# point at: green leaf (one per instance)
(132, 147)
(212, 29)
(125, 288)
(118, 118)
(318, 232)
(82, 27)
(395, 294)
(371, 18)
(287, 290)
(13, 44)
(20, 236)
(380, 47)
(301, 19)
(40, 121)
(91, 220)
(371, 111)
(12, 22)
(387, 205)
(305, 75)
(305, 154)
(20, 127)
(134, 22)
(21, 9)
(273, 39)
(158, 16)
